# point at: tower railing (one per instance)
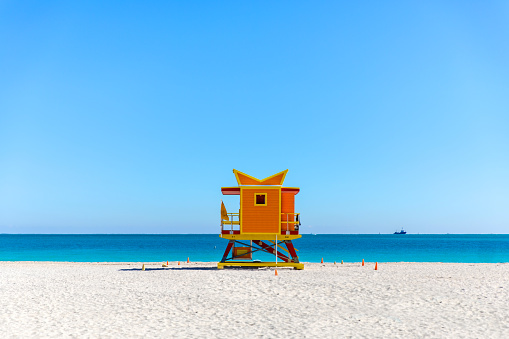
(290, 222)
(232, 224)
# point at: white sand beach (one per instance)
(400, 300)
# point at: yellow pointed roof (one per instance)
(244, 179)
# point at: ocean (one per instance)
(468, 248)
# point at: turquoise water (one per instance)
(209, 247)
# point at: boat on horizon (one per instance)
(400, 232)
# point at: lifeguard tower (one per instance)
(266, 222)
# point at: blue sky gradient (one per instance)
(128, 116)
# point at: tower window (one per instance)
(260, 199)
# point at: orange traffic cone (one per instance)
(322, 260)
(275, 272)
(167, 264)
(376, 266)
(188, 260)
(362, 262)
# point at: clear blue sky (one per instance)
(128, 116)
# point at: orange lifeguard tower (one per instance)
(266, 222)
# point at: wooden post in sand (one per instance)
(275, 253)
